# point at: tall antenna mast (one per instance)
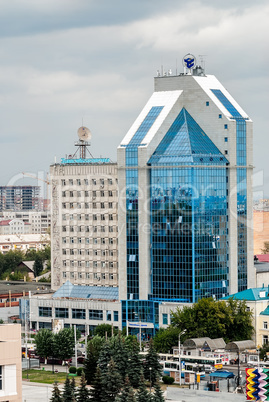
(202, 60)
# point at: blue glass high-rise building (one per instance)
(185, 199)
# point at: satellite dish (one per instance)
(84, 133)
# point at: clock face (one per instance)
(84, 133)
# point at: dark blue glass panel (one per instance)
(226, 103)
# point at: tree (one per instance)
(123, 396)
(229, 319)
(134, 368)
(111, 382)
(44, 341)
(96, 391)
(265, 250)
(93, 351)
(158, 394)
(64, 342)
(83, 393)
(152, 366)
(120, 354)
(165, 339)
(103, 330)
(68, 391)
(38, 265)
(56, 394)
(105, 357)
(143, 395)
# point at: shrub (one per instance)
(168, 380)
(79, 371)
(72, 370)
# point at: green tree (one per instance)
(158, 394)
(123, 396)
(112, 382)
(104, 357)
(83, 392)
(134, 367)
(1, 321)
(165, 339)
(103, 330)
(56, 394)
(93, 351)
(265, 250)
(38, 265)
(229, 319)
(64, 344)
(120, 354)
(142, 394)
(44, 341)
(152, 366)
(96, 391)
(68, 391)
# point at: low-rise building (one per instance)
(10, 363)
(23, 242)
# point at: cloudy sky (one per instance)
(64, 62)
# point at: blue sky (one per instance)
(64, 62)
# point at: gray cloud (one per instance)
(63, 61)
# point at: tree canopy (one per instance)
(228, 319)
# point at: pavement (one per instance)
(190, 395)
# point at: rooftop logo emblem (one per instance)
(189, 61)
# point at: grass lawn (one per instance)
(46, 377)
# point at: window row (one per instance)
(87, 264)
(79, 182)
(88, 229)
(86, 193)
(103, 253)
(88, 275)
(79, 314)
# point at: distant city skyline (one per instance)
(65, 63)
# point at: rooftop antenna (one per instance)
(202, 60)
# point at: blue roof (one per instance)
(252, 294)
(222, 374)
(68, 290)
(265, 312)
(186, 142)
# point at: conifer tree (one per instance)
(120, 354)
(142, 394)
(158, 394)
(97, 387)
(134, 367)
(111, 382)
(105, 357)
(68, 392)
(94, 348)
(131, 396)
(122, 397)
(83, 392)
(152, 367)
(56, 394)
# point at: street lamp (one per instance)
(150, 368)
(179, 353)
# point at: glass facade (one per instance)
(241, 160)
(189, 254)
(132, 224)
(143, 311)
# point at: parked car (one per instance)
(80, 359)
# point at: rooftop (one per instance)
(70, 291)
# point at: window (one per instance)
(79, 240)
(64, 251)
(94, 182)
(225, 139)
(109, 181)
(103, 241)
(71, 182)
(87, 205)
(220, 116)
(87, 252)
(78, 182)
(86, 193)
(110, 240)
(63, 182)
(111, 265)
(111, 217)
(94, 264)
(110, 229)
(78, 313)
(103, 276)
(103, 218)
(61, 312)
(102, 205)
(207, 103)
(103, 229)
(79, 264)
(80, 275)
(110, 193)
(116, 315)
(94, 205)
(86, 181)
(64, 263)
(79, 217)
(110, 205)
(72, 240)
(87, 264)
(95, 241)
(63, 194)
(226, 152)
(87, 217)
(102, 182)
(265, 325)
(226, 126)
(87, 275)
(265, 339)
(111, 277)
(45, 312)
(64, 275)
(102, 193)
(95, 314)
(165, 319)
(108, 315)
(94, 217)
(64, 240)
